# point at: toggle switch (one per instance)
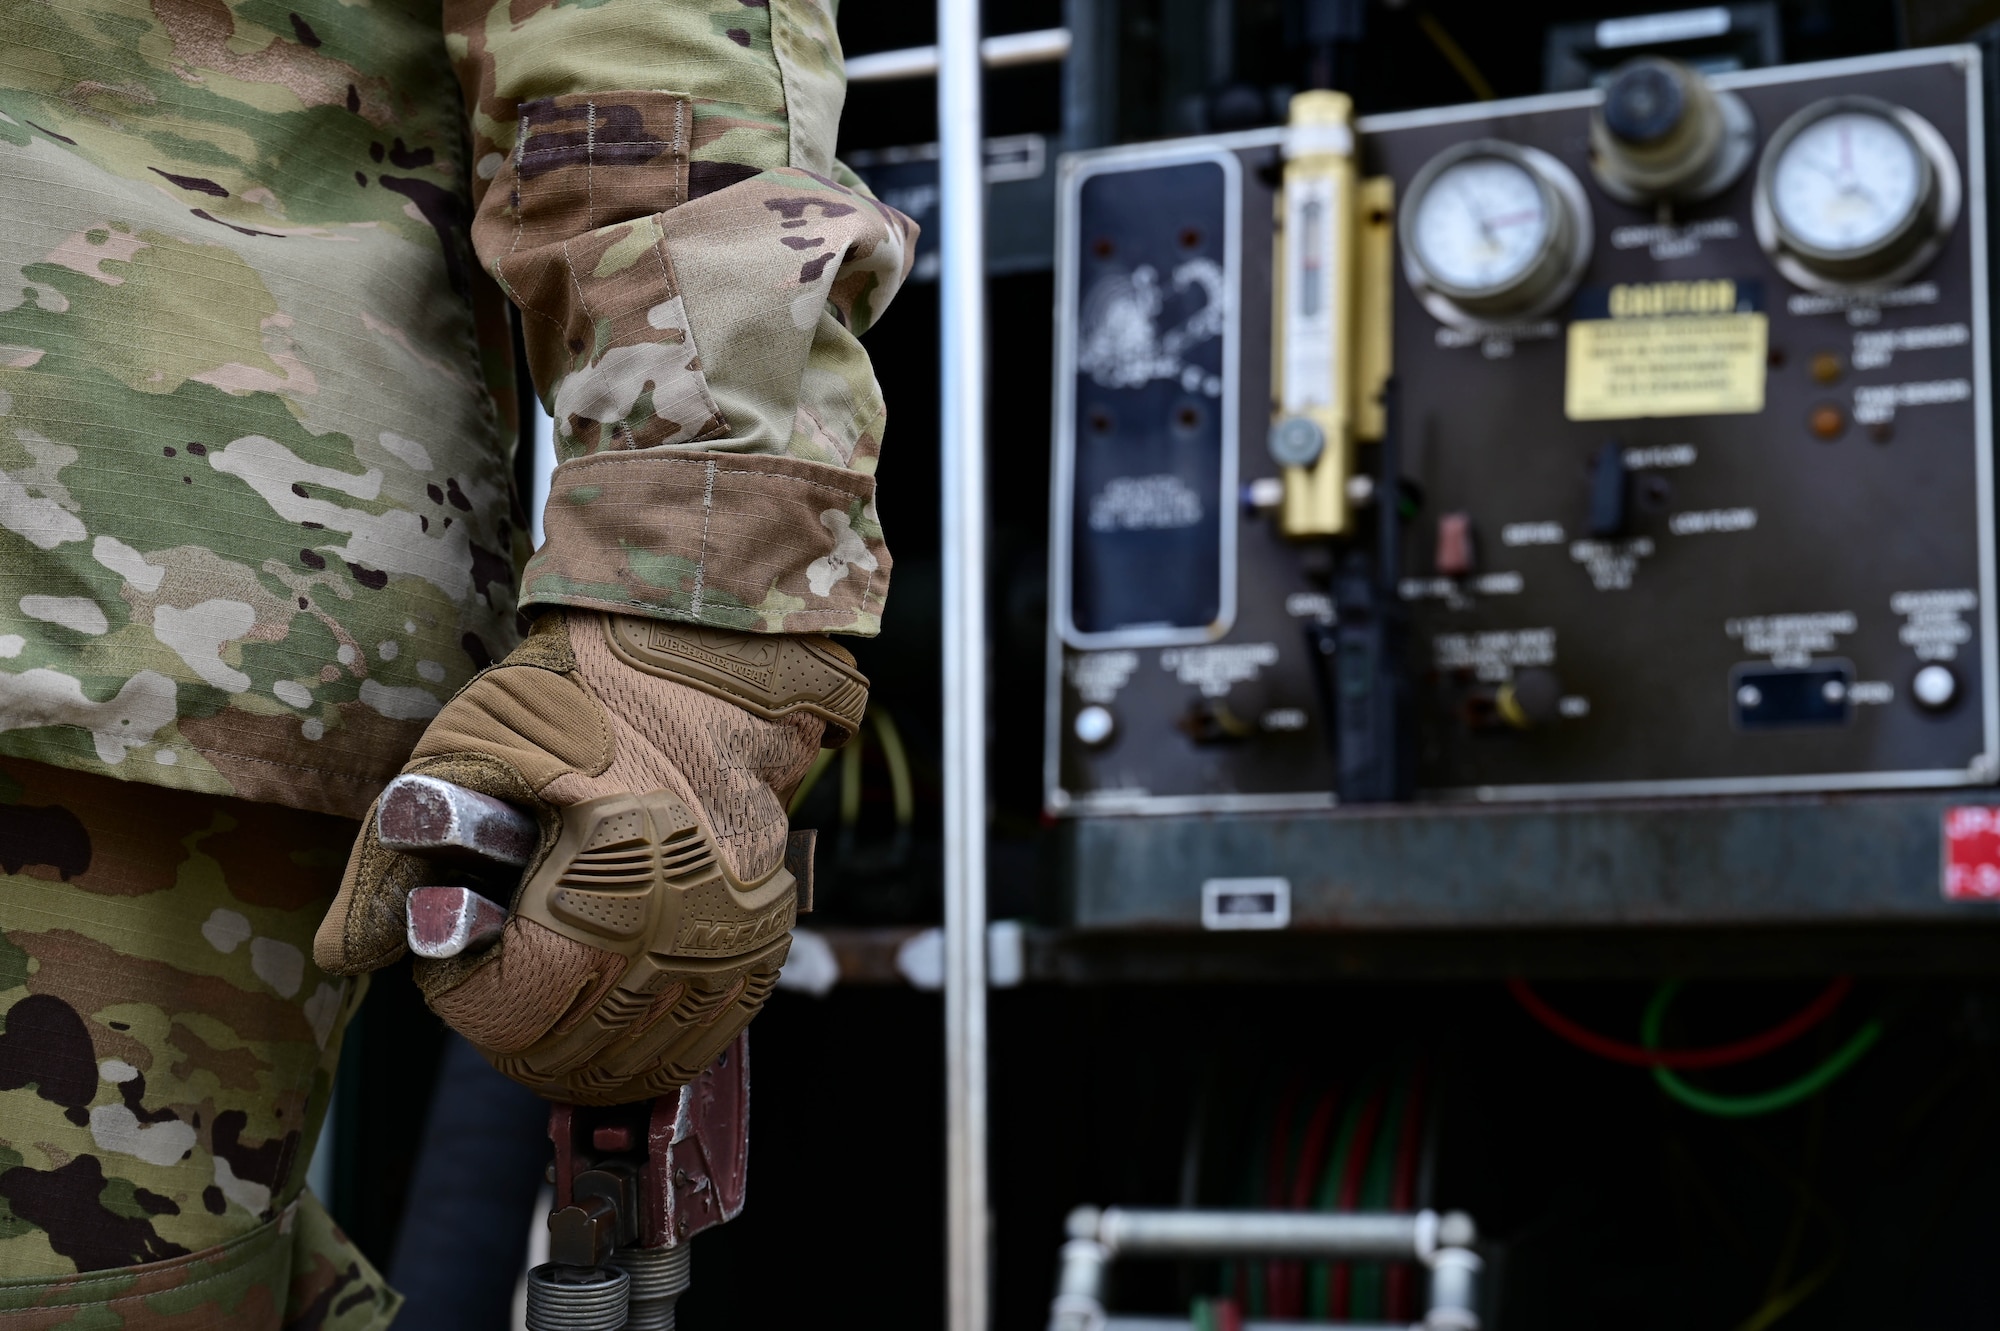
(1609, 491)
(1457, 555)
(1533, 697)
(1213, 722)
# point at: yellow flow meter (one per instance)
(1331, 303)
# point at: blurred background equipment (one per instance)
(1652, 451)
(1442, 1244)
(464, 1235)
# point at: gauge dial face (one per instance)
(1847, 183)
(1481, 224)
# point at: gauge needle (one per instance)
(1472, 210)
(1843, 177)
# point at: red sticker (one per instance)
(1972, 853)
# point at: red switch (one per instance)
(1455, 554)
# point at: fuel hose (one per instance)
(1648, 1056)
(1763, 1102)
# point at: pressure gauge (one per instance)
(1855, 192)
(1494, 231)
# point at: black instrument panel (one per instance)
(1793, 597)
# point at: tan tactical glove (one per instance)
(655, 913)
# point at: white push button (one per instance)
(1934, 687)
(1093, 725)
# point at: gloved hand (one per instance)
(655, 913)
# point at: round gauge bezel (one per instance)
(1907, 249)
(1548, 279)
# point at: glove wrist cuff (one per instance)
(771, 675)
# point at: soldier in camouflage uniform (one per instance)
(168, 1051)
(257, 536)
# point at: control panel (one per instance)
(1626, 442)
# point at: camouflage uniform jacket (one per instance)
(256, 377)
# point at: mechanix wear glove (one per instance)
(655, 911)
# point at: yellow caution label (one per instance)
(1674, 364)
(1641, 300)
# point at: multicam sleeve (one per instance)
(655, 189)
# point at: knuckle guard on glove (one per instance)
(653, 920)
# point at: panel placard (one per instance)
(1148, 441)
(1681, 348)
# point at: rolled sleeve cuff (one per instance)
(753, 543)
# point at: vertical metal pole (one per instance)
(962, 214)
(1090, 74)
